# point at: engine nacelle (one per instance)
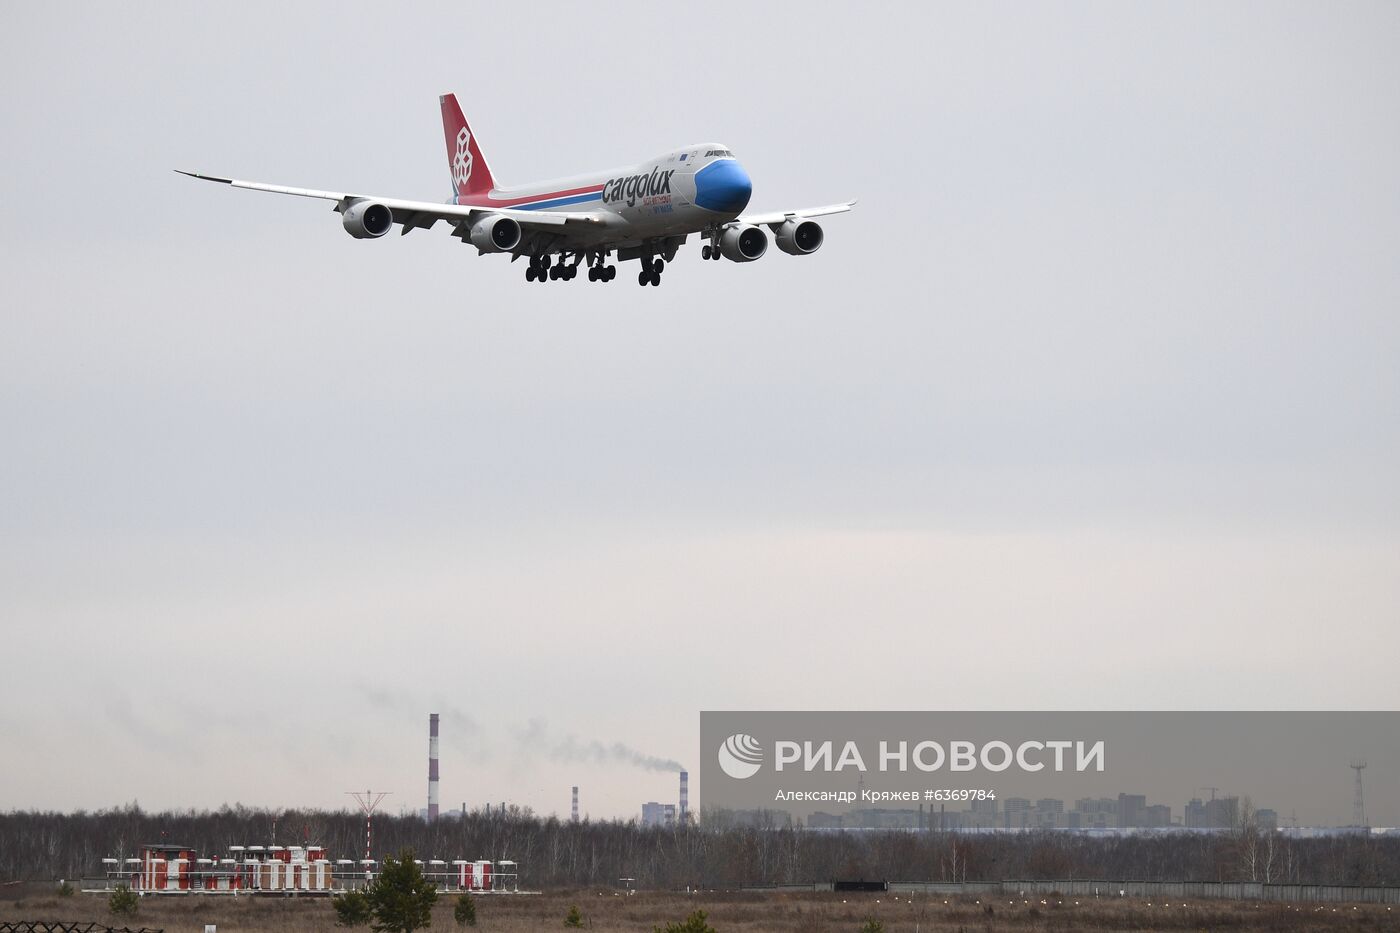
(495, 234)
(743, 243)
(798, 237)
(367, 220)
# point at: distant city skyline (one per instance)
(1125, 811)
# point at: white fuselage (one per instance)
(681, 192)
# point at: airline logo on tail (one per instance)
(462, 161)
(471, 174)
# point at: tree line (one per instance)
(555, 853)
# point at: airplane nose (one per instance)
(723, 186)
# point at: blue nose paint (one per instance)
(723, 186)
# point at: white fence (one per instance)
(1230, 890)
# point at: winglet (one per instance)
(226, 181)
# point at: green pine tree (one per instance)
(123, 901)
(695, 923)
(400, 899)
(351, 909)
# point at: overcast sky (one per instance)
(1093, 402)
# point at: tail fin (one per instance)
(470, 173)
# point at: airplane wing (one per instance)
(415, 214)
(779, 217)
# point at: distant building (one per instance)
(1096, 805)
(1049, 813)
(1266, 819)
(1130, 809)
(883, 819)
(1093, 813)
(1157, 815)
(658, 814)
(1220, 813)
(1016, 813)
(1223, 812)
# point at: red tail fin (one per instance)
(470, 173)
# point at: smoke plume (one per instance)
(536, 737)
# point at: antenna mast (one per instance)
(1358, 806)
(369, 802)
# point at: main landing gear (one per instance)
(538, 269)
(601, 273)
(651, 271)
(542, 269)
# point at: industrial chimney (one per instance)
(575, 809)
(432, 767)
(685, 797)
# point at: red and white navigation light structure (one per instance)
(432, 767)
(369, 802)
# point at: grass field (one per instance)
(731, 912)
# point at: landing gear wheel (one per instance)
(530, 274)
(643, 277)
(592, 273)
(704, 252)
(612, 273)
(656, 266)
(656, 278)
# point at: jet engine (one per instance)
(367, 220)
(798, 237)
(495, 234)
(743, 243)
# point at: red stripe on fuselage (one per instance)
(488, 201)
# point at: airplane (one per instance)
(644, 212)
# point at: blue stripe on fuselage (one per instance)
(559, 202)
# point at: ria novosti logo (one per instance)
(740, 756)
